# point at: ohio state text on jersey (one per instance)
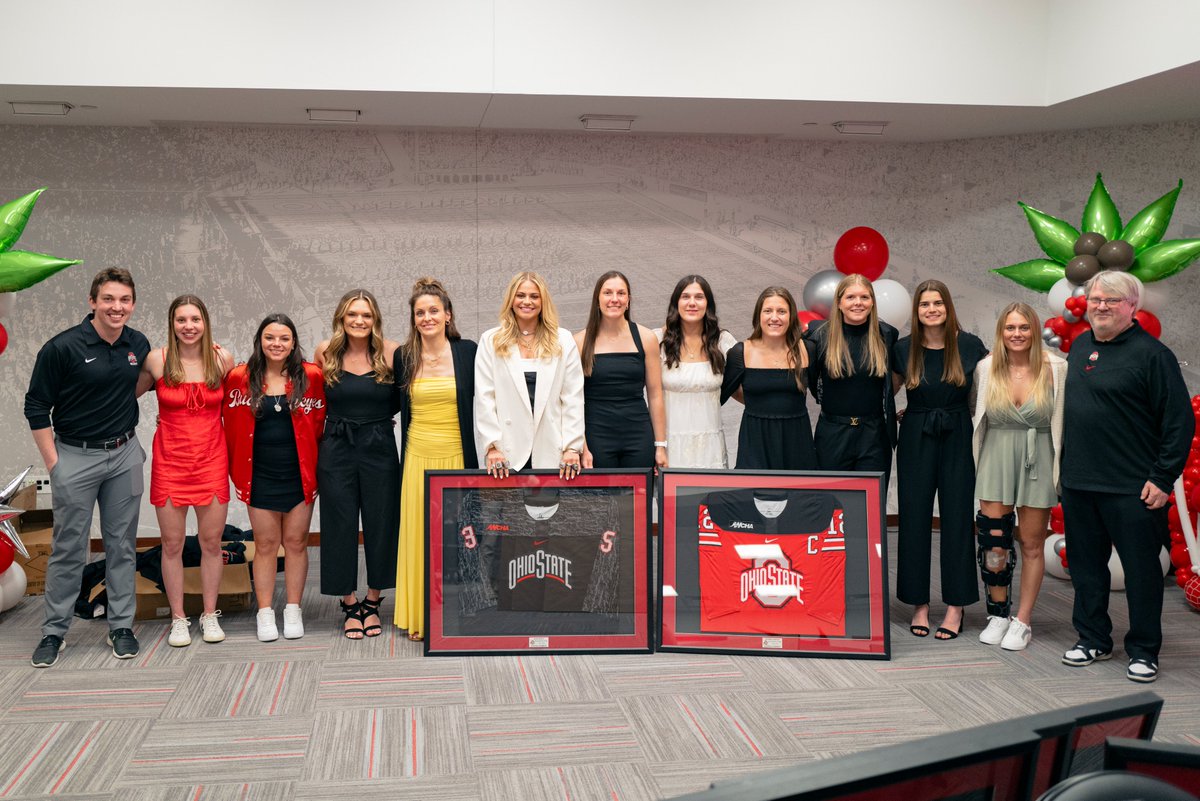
(775, 564)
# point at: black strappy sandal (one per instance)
(352, 612)
(367, 607)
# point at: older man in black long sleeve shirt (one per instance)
(1127, 430)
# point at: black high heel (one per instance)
(367, 607)
(352, 612)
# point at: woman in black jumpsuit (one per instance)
(936, 365)
(358, 465)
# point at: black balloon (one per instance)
(1116, 255)
(1088, 243)
(1081, 269)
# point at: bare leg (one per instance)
(268, 531)
(1031, 533)
(295, 549)
(952, 621)
(920, 616)
(210, 524)
(172, 527)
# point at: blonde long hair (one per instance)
(546, 342)
(952, 369)
(173, 372)
(335, 351)
(999, 394)
(838, 363)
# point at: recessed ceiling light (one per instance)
(860, 128)
(334, 114)
(607, 122)
(40, 108)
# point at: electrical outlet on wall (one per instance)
(42, 482)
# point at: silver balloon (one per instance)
(1047, 332)
(1069, 316)
(1055, 342)
(1079, 290)
(818, 292)
(9, 532)
(10, 489)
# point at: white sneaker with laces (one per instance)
(1017, 636)
(293, 622)
(267, 630)
(993, 633)
(179, 636)
(210, 628)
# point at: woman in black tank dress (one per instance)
(766, 373)
(620, 363)
(851, 377)
(358, 468)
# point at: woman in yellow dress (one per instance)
(436, 378)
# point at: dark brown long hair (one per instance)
(952, 369)
(410, 351)
(710, 330)
(293, 367)
(791, 337)
(588, 353)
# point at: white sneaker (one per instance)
(993, 633)
(267, 631)
(293, 622)
(210, 628)
(1017, 637)
(179, 636)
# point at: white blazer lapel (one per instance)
(517, 373)
(541, 392)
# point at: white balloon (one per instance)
(1053, 560)
(1155, 297)
(12, 586)
(1059, 294)
(893, 302)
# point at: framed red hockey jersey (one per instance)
(534, 564)
(774, 563)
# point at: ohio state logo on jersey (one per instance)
(541, 565)
(761, 582)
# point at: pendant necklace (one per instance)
(278, 408)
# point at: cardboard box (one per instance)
(233, 594)
(36, 533)
(25, 499)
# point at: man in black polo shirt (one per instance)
(1127, 430)
(84, 384)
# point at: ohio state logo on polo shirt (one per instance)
(133, 359)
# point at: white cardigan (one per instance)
(983, 370)
(502, 413)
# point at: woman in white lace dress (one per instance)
(692, 347)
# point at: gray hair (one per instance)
(1119, 283)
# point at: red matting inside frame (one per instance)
(875, 646)
(639, 640)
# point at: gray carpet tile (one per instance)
(975, 702)
(670, 672)
(786, 674)
(249, 689)
(443, 788)
(678, 778)
(14, 681)
(196, 751)
(67, 757)
(554, 735)
(94, 695)
(388, 742)
(501, 680)
(347, 684)
(620, 781)
(708, 726)
(846, 720)
(214, 791)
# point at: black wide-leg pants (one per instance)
(358, 473)
(933, 456)
(841, 446)
(1096, 522)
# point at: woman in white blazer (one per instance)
(528, 386)
(1017, 445)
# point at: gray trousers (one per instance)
(82, 479)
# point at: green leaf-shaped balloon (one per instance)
(1165, 259)
(1036, 274)
(1148, 225)
(1100, 214)
(1055, 237)
(21, 269)
(14, 215)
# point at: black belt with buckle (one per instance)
(861, 419)
(100, 445)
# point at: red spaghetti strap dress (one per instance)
(190, 465)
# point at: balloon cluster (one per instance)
(864, 251)
(1056, 554)
(1183, 547)
(12, 575)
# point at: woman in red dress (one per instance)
(189, 467)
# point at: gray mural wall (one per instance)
(260, 219)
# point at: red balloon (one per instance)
(1191, 592)
(3, 347)
(1059, 326)
(1176, 536)
(1179, 554)
(1193, 499)
(807, 317)
(1173, 518)
(1078, 328)
(1183, 575)
(861, 250)
(1149, 322)
(7, 554)
(1056, 511)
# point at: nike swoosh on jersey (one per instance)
(89, 361)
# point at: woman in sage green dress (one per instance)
(1017, 443)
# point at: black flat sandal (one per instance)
(367, 608)
(352, 612)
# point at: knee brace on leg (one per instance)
(997, 532)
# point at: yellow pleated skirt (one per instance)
(432, 443)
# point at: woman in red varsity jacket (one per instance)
(274, 414)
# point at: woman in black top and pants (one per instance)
(936, 365)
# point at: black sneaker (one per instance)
(124, 644)
(46, 654)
